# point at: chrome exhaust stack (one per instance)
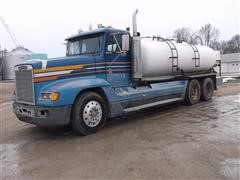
(134, 22)
(136, 51)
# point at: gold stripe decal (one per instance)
(58, 68)
(73, 67)
(49, 78)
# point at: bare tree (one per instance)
(223, 47)
(209, 35)
(231, 46)
(196, 39)
(234, 43)
(182, 35)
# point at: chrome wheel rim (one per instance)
(92, 113)
(195, 92)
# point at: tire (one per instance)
(207, 89)
(89, 113)
(193, 92)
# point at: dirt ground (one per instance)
(171, 142)
(7, 89)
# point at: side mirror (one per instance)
(125, 42)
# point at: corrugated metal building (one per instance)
(230, 64)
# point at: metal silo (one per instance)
(1, 56)
(16, 56)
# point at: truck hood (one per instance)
(58, 68)
(61, 61)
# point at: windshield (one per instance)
(87, 45)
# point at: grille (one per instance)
(24, 84)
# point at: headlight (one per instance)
(53, 96)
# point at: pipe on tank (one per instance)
(134, 22)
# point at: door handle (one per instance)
(109, 71)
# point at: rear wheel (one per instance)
(193, 92)
(89, 113)
(207, 89)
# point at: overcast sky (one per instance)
(42, 25)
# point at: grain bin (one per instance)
(2, 54)
(16, 56)
(0, 65)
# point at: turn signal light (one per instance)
(53, 96)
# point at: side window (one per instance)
(73, 48)
(114, 42)
(83, 47)
(76, 47)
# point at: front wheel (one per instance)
(193, 92)
(89, 113)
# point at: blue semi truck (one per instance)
(108, 72)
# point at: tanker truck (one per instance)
(109, 72)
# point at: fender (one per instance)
(69, 89)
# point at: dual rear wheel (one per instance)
(199, 90)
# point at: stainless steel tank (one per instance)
(155, 58)
(165, 58)
(16, 56)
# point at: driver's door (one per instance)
(117, 61)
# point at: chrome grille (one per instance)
(24, 84)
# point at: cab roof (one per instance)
(95, 31)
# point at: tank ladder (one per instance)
(174, 56)
(196, 57)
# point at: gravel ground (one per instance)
(171, 142)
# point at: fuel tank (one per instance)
(165, 58)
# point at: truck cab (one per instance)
(47, 89)
(101, 76)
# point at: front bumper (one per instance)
(43, 116)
